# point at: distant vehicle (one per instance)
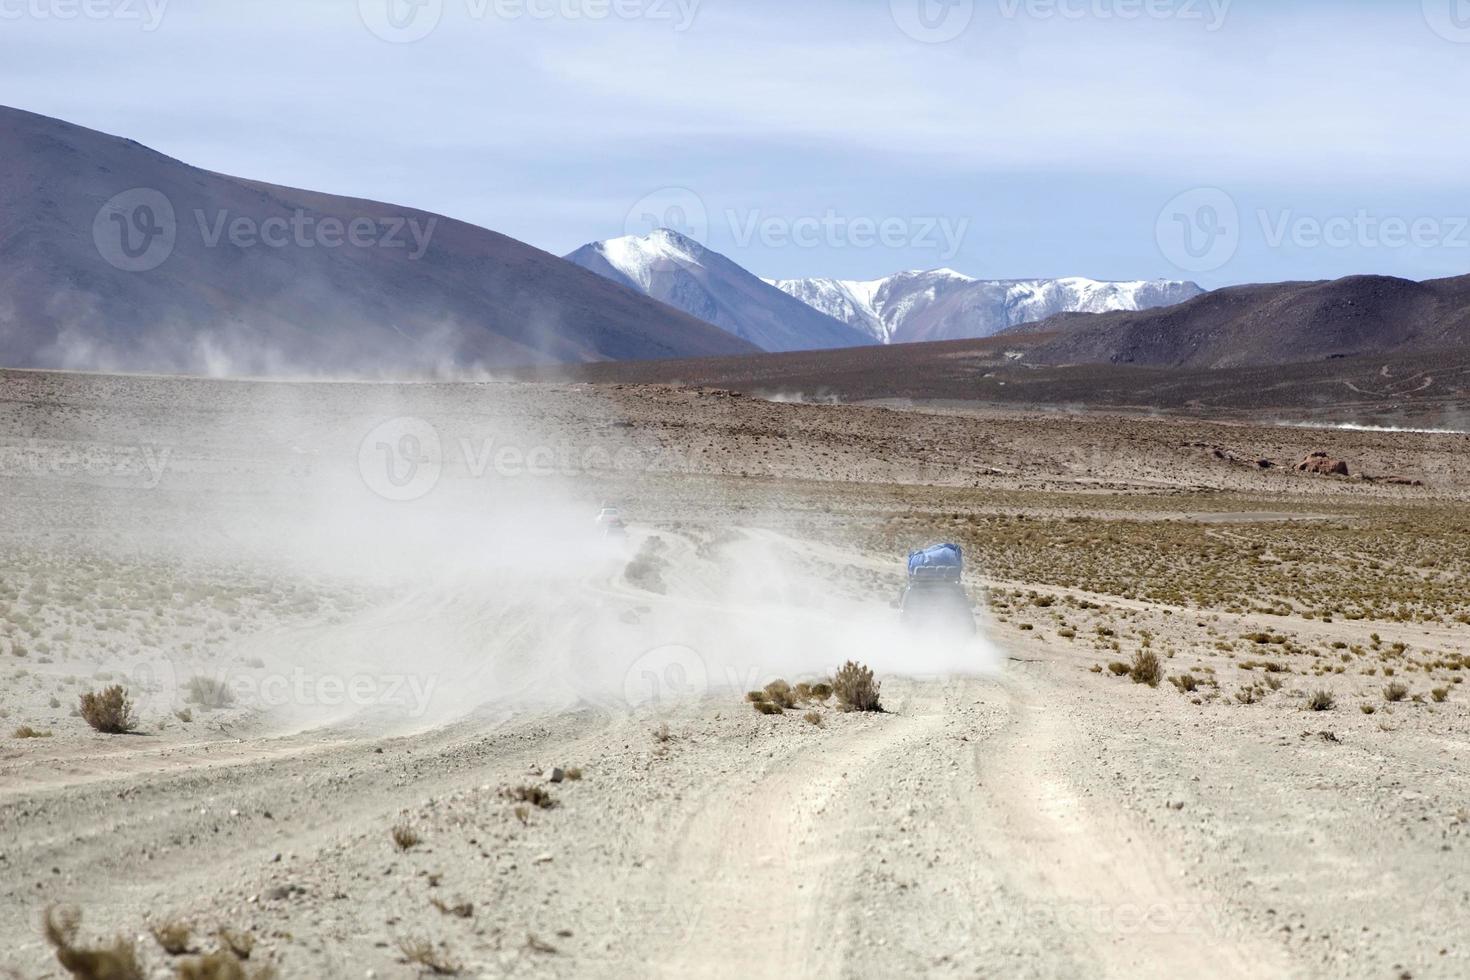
(610, 521)
(935, 596)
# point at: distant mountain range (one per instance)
(821, 314)
(679, 271)
(115, 257)
(948, 305)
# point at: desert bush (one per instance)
(118, 961)
(1246, 695)
(221, 966)
(208, 692)
(755, 697)
(405, 838)
(767, 707)
(1321, 701)
(855, 688)
(821, 691)
(573, 774)
(1146, 668)
(779, 692)
(26, 731)
(421, 952)
(174, 937)
(1119, 668)
(1395, 692)
(661, 734)
(109, 711)
(812, 718)
(242, 944)
(537, 796)
(1440, 694)
(1186, 683)
(1367, 709)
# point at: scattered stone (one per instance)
(1324, 465)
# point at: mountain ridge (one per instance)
(943, 304)
(688, 276)
(283, 300)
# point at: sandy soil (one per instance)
(404, 595)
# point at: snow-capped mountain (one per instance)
(684, 274)
(947, 305)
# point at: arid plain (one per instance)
(398, 699)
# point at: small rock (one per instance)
(557, 775)
(542, 859)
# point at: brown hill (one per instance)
(1270, 324)
(343, 286)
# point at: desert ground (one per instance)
(403, 710)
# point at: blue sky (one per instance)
(1220, 140)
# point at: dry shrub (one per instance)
(1321, 701)
(174, 936)
(421, 952)
(1146, 668)
(779, 692)
(221, 966)
(755, 697)
(26, 731)
(1440, 694)
(767, 708)
(1186, 683)
(405, 838)
(821, 692)
(119, 961)
(812, 718)
(109, 711)
(1246, 695)
(1118, 668)
(573, 774)
(661, 734)
(855, 688)
(1395, 692)
(242, 944)
(537, 796)
(1367, 709)
(208, 692)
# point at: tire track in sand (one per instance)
(1085, 863)
(757, 875)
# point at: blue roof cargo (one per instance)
(944, 562)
